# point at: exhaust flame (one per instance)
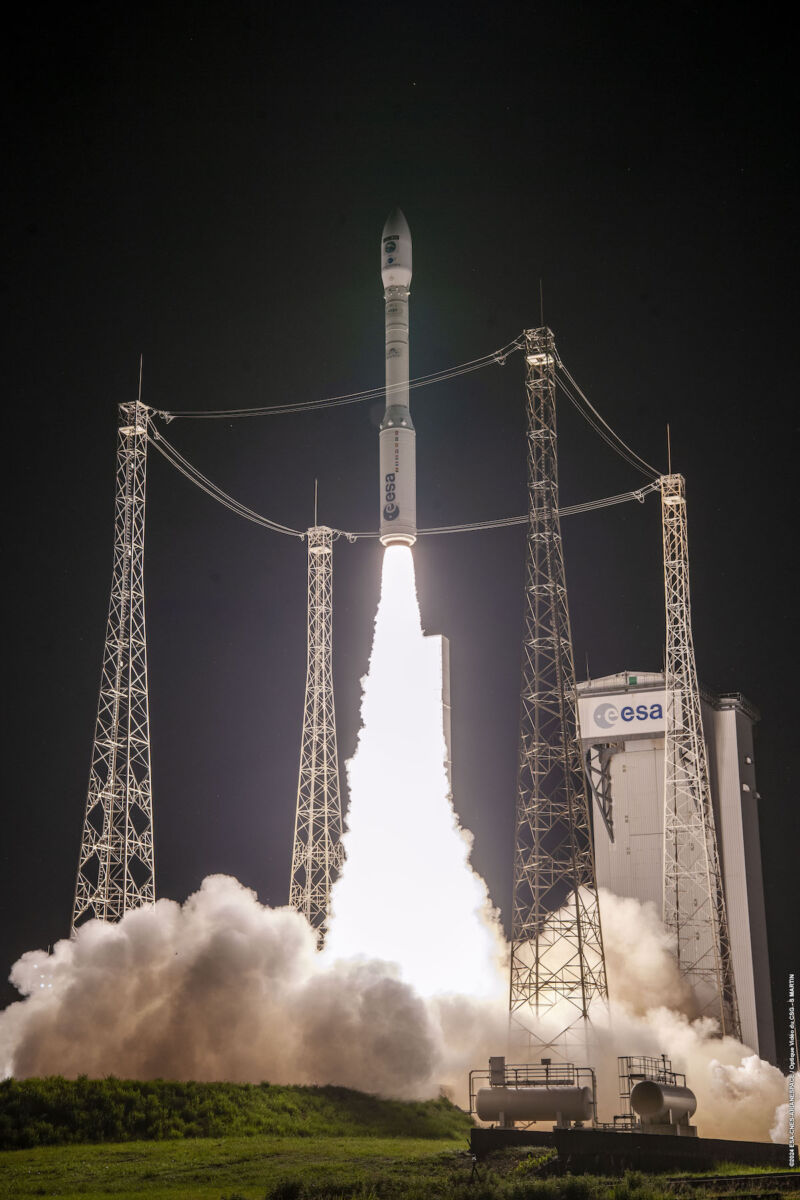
(407, 892)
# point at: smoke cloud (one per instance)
(226, 988)
(640, 958)
(652, 1012)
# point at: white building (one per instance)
(622, 720)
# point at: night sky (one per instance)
(206, 185)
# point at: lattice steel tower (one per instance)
(694, 902)
(115, 866)
(317, 852)
(557, 965)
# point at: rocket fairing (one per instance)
(397, 439)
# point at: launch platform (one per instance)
(614, 1151)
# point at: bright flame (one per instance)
(407, 893)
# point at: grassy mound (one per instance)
(55, 1111)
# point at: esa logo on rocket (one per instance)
(390, 510)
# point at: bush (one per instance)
(576, 1187)
(57, 1111)
(285, 1189)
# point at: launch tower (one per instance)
(557, 962)
(694, 902)
(115, 866)
(317, 850)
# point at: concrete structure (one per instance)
(623, 721)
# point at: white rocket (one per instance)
(397, 439)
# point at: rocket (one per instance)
(397, 439)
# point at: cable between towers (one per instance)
(563, 378)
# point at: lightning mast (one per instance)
(557, 963)
(115, 865)
(694, 902)
(317, 850)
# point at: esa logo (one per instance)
(606, 715)
(390, 510)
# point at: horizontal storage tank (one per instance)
(534, 1103)
(657, 1100)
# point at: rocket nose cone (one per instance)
(396, 224)
(396, 251)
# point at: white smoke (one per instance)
(226, 988)
(640, 957)
(651, 1013)
(780, 1130)
(411, 990)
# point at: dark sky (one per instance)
(206, 185)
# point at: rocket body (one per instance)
(397, 439)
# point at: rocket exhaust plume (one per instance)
(428, 911)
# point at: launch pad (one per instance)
(611, 1151)
(652, 1133)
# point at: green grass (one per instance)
(209, 1168)
(275, 1143)
(278, 1168)
(56, 1111)
(731, 1168)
